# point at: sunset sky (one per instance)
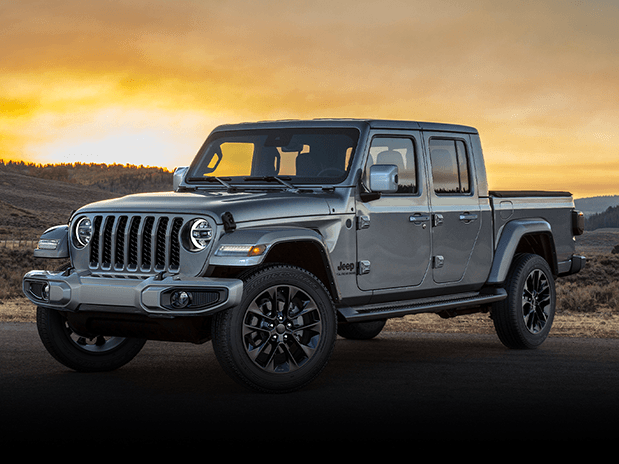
(144, 82)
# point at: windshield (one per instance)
(286, 157)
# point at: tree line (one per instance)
(117, 178)
(608, 218)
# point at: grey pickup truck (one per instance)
(282, 235)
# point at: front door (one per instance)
(393, 232)
(456, 212)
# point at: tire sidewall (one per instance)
(523, 267)
(57, 341)
(228, 338)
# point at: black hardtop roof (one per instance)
(341, 122)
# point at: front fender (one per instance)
(508, 243)
(54, 243)
(234, 249)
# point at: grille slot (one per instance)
(160, 248)
(119, 261)
(147, 240)
(136, 243)
(175, 246)
(132, 255)
(94, 244)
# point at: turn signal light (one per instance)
(241, 250)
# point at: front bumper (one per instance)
(173, 295)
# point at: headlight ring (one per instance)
(83, 231)
(199, 235)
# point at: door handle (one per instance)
(419, 218)
(468, 217)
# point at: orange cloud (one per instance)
(539, 80)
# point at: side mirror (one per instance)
(384, 178)
(179, 175)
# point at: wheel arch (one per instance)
(298, 247)
(307, 254)
(522, 236)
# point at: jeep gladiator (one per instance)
(282, 235)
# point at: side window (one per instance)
(399, 151)
(450, 166)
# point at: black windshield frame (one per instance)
(279, 157)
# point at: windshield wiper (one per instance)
(221, 180)
(281, 180)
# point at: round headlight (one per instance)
(83, 231)
(200, 234)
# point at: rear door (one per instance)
(393, 232)
(455, 208)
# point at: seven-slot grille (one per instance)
(135, 243)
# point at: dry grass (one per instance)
(594, 289)
(14, 263)
(587, 303)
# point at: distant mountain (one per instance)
(594, 205)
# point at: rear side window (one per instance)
(450, 167)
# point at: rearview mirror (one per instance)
(384, 178)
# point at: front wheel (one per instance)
(83, 352)
(281, 335)
(524, 318)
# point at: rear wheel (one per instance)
(524, 318)
(83, 352)
(281, 335)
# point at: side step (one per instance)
(422, 305)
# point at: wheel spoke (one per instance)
(260, 350)
(281, 329)
(96, 343)
(536, 299)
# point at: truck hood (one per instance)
(244, 206)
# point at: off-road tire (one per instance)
(524, 319)
(282, 334)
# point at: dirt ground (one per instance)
(587, 325)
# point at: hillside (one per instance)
(607, 219)
(115, 178)
(594, 205)
(35, 196)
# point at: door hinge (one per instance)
(439, 261)
(364, 267)
(363, 222)
(437, 220)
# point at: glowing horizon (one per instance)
(144, 82)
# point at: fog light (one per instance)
(39, 290)
(45, 292)
(180, 299)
